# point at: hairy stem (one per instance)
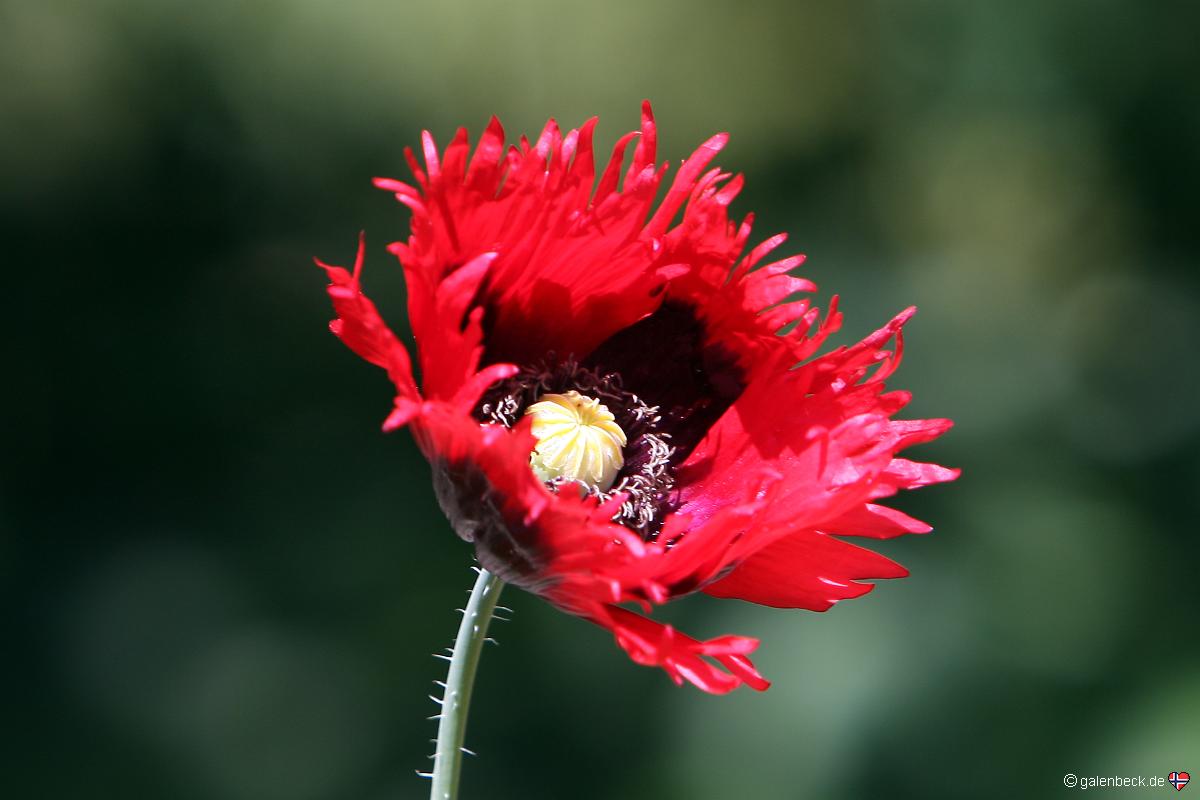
(456, 700)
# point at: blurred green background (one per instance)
(220, 580)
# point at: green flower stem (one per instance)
(456, 700)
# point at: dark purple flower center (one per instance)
(647, 476)
(663, 359)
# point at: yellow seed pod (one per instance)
(578, 439)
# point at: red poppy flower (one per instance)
(681, 448)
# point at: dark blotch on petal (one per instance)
(472, 506)
(665, 360)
